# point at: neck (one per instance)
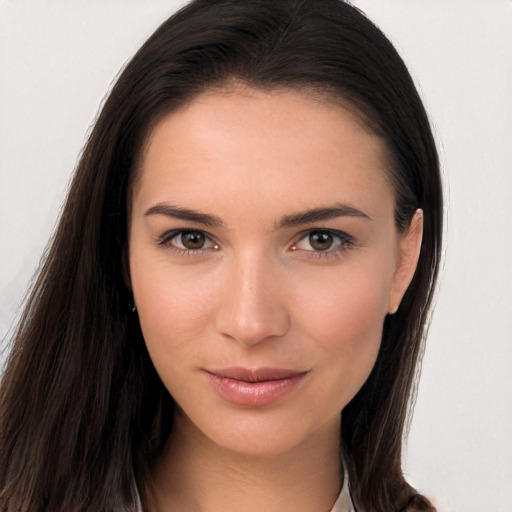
(195, 474)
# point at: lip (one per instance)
(254, 386)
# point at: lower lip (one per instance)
(254, 393)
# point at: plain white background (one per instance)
(57, 60)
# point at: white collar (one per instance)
(344, 501)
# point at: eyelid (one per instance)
(165, 239)
(345, 242)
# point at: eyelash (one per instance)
(166, 241)
(342, 240)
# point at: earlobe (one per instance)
(407, 260)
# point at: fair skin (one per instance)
(264, 258)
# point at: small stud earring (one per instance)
(131, 306)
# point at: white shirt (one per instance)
(344, 502)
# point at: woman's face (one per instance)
(263, 260)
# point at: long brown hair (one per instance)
(83, 412)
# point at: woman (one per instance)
(232, 310)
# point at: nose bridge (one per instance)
(252, 308)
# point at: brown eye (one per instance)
(328, 243)
(188, 241)
(192, 239)
(321, 240)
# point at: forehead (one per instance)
(241, 146)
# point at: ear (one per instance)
(409, 246)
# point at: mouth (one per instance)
(254, 386)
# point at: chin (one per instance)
(265, 434)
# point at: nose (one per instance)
(251, 309)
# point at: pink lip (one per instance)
(253, 386)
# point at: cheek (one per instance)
(346, 304)
(173, 310)
(344, 316)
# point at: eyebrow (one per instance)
(178, 212)
(295, 219)
(320, 214)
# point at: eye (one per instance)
(320, 240)
(187, 240)
(190, 240)
(323, 241)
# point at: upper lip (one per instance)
(258, 374)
